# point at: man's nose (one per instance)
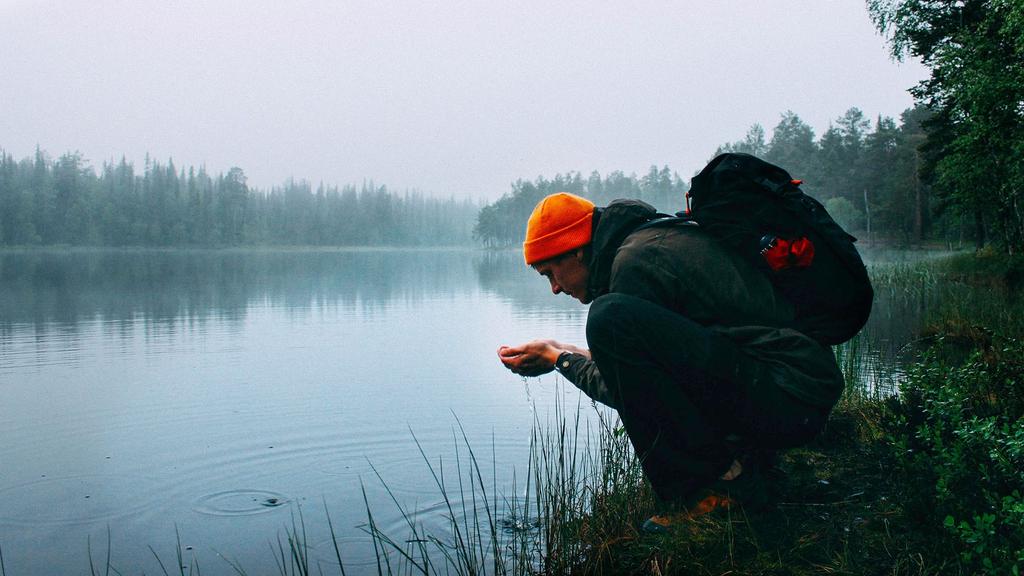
(555, 288)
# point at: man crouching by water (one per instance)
(686, 341)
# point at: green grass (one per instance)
(581, 489)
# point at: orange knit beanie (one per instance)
(560, 222)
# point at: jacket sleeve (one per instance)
(583, 374)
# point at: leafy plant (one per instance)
(963, 431)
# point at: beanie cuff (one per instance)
(559, 242)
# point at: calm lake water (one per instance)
(216, 394)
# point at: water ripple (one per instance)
(80, 499)
(241, 502)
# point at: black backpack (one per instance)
(757, 209)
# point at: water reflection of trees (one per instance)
(66, 288)
(503, 273)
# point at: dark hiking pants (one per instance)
(682, 389)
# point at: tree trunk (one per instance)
(1018, 224)
(979, 229)
(867, 214)
(918, 202)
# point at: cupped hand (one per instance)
(532, 358)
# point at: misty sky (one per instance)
(447, 97)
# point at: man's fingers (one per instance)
(509, 351)
(514, 362)
(524, 360)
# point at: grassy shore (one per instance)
(925, 479)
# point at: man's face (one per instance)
(566, 273)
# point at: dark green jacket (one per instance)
(681, 268)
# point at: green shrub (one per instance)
(988, 267)
(845, 213)
(961, 448)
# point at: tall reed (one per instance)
(583, 488)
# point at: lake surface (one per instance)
(216, 394)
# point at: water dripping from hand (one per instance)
(529, 397)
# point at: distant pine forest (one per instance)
(67, 202)
(873, 177)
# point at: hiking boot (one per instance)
(660, 524)
(743, 488)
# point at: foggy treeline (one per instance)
(866, 173)
(66, 202)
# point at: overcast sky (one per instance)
(446, 97)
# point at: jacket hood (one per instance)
(612, 225)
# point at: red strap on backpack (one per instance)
(782, 253)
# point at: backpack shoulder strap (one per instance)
(680, 219)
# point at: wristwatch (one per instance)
(562, 362)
